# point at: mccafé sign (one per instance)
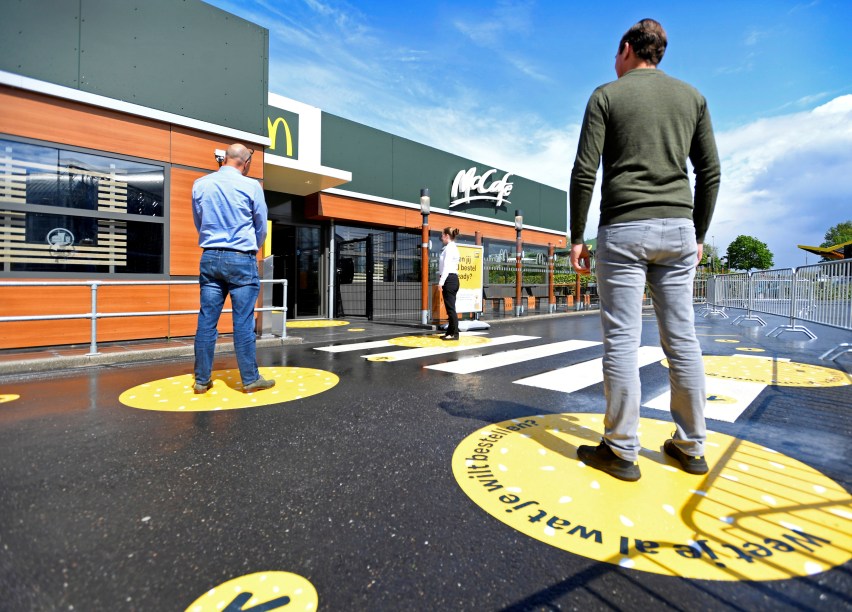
(481, 186)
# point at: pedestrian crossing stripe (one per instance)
(485, 362)
(582, 375)
(356, 346)
(360, 346)
(726, 399)
(431, 351)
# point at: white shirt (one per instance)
(449, 262)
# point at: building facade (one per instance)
(110, 111)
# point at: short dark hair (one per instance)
(648, 40)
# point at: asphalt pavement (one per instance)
(119, 494)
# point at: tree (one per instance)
(747, 253)
(838, 234)
(710, 252)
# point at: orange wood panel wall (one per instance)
(32, 115)
(196, 149)
(41, 117)
(328, 206)
(22, 301)
(142, 298)
(183, 242)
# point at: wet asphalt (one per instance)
(106, 507)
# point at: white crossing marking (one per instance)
(726, 399)
(440, 350)
(357, 346)
(486, 362)
(582, 375)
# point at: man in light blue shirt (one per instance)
(229, 211)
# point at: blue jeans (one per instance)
(226, 273)
(663, 253)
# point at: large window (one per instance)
(64, 211)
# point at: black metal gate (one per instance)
(396, 286)
(378, 277)
(353, 283)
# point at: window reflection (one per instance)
(85, 233)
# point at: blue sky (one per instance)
(505, 83)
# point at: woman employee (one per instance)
(448, 268)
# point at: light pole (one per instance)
(425, 202)
(519, 225)
(715, 256)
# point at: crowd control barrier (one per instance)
(94, 315)
(820, 293)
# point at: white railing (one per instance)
(94, 314)
(819, 293)
(824, 293)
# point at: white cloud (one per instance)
(786, 180)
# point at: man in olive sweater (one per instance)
(644, 126)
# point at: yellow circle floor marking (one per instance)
(175, 394)
(750, 349)
(9, 397)
(721, 399)
(435, 340)
(315, 323)
(768, 371)
(757, 515)
(261, 591)
(727, 341)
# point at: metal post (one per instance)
(332, 271)
(551, 290)
(284, 310)
(93, 344)
(424, 271)
(518, 274)
(577, 304)
(263, 324)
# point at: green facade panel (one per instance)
(389, 166)
(179, 56)
(40, 39)
(364, 151)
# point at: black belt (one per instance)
(252, 253)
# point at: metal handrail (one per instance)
(94, 315)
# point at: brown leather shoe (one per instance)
(261, 384)
(200, 388)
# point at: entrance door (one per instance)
(298, 258)
(354, 283)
